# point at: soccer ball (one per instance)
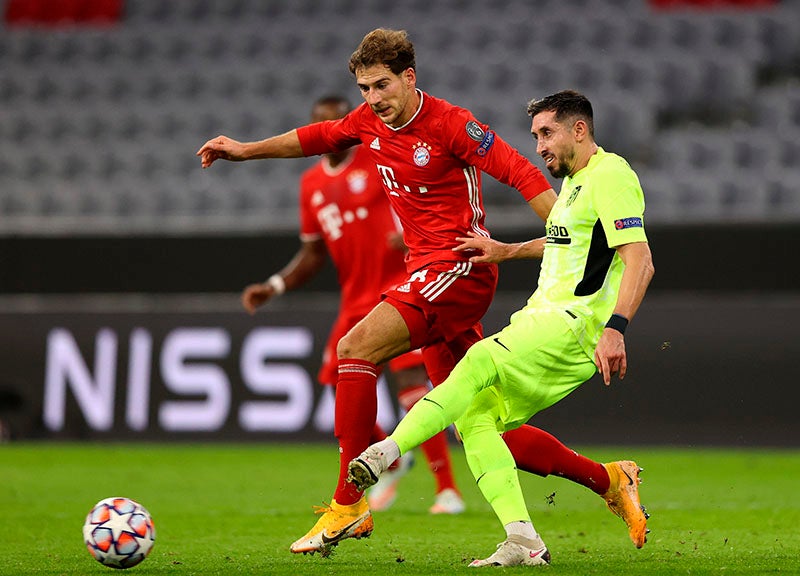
(119, 532)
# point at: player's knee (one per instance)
(350, 346)
(344, 348)
(482, 416)
(471, 424)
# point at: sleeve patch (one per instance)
(474, 131)
(632, 222)
(486, 143)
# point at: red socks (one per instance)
(540, 453)
(355, 414)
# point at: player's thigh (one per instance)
(540, 361)
(444, 300)
(379, 336)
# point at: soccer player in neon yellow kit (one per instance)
(430, 154)
(596, 266)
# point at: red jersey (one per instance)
(431, 169)
(347, 208)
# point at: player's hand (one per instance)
(491, 251)
(220, 147)
(256, 295)
(609, 356)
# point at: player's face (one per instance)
(393, 97)
(555, 143)
(331, 111)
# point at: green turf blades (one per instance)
(234, 509)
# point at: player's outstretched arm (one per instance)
(489, 250)
(286, 145)
(610, 355)
(305, 264)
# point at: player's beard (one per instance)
(562, 165)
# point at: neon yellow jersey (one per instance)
(599, 208)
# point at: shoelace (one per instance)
(325, 508)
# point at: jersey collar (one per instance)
(593, 159)
(410, 120)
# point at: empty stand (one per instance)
(99, 125)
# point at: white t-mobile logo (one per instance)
(387, 174)
(331, 219)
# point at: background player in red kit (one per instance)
(430, 155)
(344, 213)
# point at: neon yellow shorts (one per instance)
(537, 360)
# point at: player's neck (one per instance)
(412, 109)
(585, 154)
(336, 159)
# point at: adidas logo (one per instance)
(405, 288)
(376, 144)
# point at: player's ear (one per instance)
(410, 76)
(580, 130)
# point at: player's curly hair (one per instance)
(383, 46)
(567, 104)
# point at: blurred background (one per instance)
(122, 260)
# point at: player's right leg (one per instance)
(622, 498)
(376, 338)
(538, 373)
(540, 453)
(437, 410)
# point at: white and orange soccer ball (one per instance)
(119, 532)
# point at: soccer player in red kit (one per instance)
(429, 155)
(344, 213)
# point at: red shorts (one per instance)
(442, 306)
(329, 372)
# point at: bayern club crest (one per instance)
(357, 181)
(422, 154)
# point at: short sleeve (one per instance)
(619, 201)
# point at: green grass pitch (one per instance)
(235, 508)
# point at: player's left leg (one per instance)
(496, 475)
(528, 381)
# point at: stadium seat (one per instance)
(116, 114)
(625, 127)
(788, 152)
(781, 194)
